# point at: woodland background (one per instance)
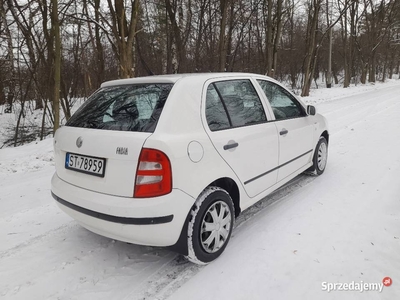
(55, 52)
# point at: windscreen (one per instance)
(123, 108)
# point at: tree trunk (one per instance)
(43, 121)
(57, 64)
(180, 47)
(364, 70)
(9, 99)
(21, 113)
(353, 27)
(391, 63)
(335, 77)
(277, 37)
(222, 36)
(269, 43)
(347, 59)
(2, 95)
(198, 67)
(124, 35)
(311, 48)
(99, 45)
(228, 51)
(372, 68)
(293, 71)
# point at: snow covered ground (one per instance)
(341, 227)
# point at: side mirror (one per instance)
(311, 110)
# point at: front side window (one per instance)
(123, 108)
(233, 103)
(282, 102)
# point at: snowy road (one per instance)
(343, 226)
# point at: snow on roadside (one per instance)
(36, 156)
(30, 122)
(322, 95)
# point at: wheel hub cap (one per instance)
(322, 156)
(215, 227)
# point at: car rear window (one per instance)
(123, 108)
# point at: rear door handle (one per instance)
(231, 145)
(283, 131)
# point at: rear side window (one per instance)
(216, 116)
(123, 108)
(233, 103)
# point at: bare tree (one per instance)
(10, 61)
(125, 38)
(123, 31)
(313, 14)
(57, 63)
(222, 34)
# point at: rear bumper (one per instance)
(152, 221)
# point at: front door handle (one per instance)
(231, 145)
(283, 131)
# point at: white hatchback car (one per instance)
(172, 160)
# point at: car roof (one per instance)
(172, 78)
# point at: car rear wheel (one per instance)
(211, 225)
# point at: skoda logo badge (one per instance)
(79, 142)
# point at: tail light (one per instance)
(153, 175)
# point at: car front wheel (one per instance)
(320, 157)
(211, 224)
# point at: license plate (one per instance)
(86, 164)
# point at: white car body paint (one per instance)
(261, 149)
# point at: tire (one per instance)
(320, 157)
(205, 245)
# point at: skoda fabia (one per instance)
(172, 160)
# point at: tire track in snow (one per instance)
(349, 98)
(166, 280)
(46, 258)
(352, 108)
(359, 111)
(37, 239)
(27, 225)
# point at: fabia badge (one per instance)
(122, 151)
(79, 142)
